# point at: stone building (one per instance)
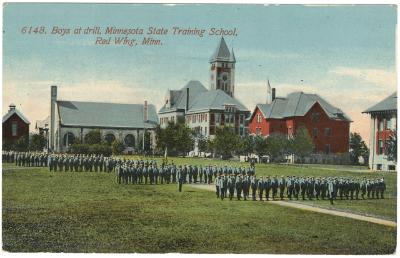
(70, 120)
(383, 125)
(206, 109)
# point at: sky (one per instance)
(346, 54)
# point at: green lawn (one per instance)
(380, 208)
(88, 212)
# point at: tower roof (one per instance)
(222, 53)
(232, 57)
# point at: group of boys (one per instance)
(293, 187)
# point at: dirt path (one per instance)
(316, 209)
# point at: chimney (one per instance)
(187, 99)
(12, 106)
(53, 99)
(145, 111)
(273, 94)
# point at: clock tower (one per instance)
(222, 72)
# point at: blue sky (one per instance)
(344, 53)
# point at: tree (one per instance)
(260, 146)
(246, 144)
(37, 142)
(392, 147)
(117, 147)
(175, 139)
(93, 137)
(276, 146)
(358, 149)
(301, 144)
(226, 142)
(202, 143)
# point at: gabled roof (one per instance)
(45, 123)
(214, 100)
(179, 97)
(298, 104)
(222, 53)
(18, 113)
(108, 115)
(389, 103)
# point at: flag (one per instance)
(269, 93)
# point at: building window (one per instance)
(205, 117)
(327, 148)
(315, 132)
(14, 128)
(241, 130)
(205, 131)
(259, 118)
(217, 118)
(129, 140)
(381, 124)
(315, 117)
(379, 167)
(258, 131)
(69, 139)
(380, 147)
(328, 131)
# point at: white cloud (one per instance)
(379, 77)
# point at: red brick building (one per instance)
(327, 125)
(15, 125)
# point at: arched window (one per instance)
(109, 138)
(68, 139)
(129, 140)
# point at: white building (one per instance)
(202, 109)
(70, 120)
(383, 124)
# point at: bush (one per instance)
(100, 149)
(117, 147)
(22, 143)
(91, 149)
(78, 148)
(93, 137)
(37, 142)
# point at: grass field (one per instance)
(385, 208)
(88, 212)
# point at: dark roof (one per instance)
(109, 115)
(389, 103)
(17, 112)
(222, 53)
(178, 97)
(214, 100)
(200, 99)
(298, 104)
